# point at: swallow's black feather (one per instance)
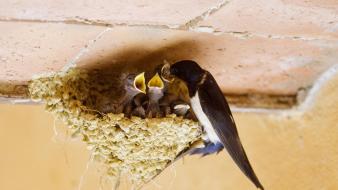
(215, 106)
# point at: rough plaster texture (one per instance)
(290, 149)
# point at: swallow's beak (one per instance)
(140, 83)
(156, 81)
(165, 72)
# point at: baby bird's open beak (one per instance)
(156, 81)
(140, 83)
(165, 72)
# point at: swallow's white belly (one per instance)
(203, 119)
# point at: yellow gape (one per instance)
(156, 81)
(140, 83)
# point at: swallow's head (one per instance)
(187, 70)
(156, 82)
(165, 72)
(136, 82)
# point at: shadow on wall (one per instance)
(108, 71)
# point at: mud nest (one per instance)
(138, 147)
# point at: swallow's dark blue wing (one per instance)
(217, 109)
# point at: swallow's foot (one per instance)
(210, 148)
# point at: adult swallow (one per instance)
(135, 88)
(213, 112)
(175, 93)
(155, 93)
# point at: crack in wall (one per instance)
(193, 22)
(72, 62)
(83, 51)
(190, 26)
(248, 35)
(84, 21)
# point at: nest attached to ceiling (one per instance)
(87, 103)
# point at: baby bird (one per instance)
(139, 103)
(155, 93)
(134, 88)
(175, 93)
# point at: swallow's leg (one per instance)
(210, 148)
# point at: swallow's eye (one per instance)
(173, 71)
